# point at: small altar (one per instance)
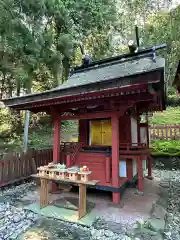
(59, 174)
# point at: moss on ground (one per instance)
(165, 148)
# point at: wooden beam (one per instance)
(120, 100)
(88, 116)
(120, 111)
(81, 97)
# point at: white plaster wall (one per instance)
(143, 135)
(134, 132)
(144, 165)
(134, 167)
(134, 140)
(122, 168)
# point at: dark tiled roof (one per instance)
(112, 75)
(113, 71)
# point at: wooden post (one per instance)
(56, 146)
(44, 193)
(140, 174)
(82, 201)
(115, 158)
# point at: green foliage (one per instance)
(169, 116)
(5, 123)
(169, 148)
(38, 39)
(173, 100)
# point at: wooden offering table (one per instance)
(82, 191)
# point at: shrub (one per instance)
(164, 147)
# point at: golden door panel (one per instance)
(106, 132)
(95, 131)
(101, 132)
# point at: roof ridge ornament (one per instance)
(86, 60)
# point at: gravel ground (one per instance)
(18, 223)
(172, 227)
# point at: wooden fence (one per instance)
(164, 132)
(19, 166)
(15, 167)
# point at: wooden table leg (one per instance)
(44, 193)
(82, 201)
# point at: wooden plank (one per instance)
(10, 169)
(5, 169)
(22, 166)
(28, 164)
(33, 166)
(11, 166)
(16, 169)
(82, 201)
(92, 182)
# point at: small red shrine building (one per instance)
(108, 98)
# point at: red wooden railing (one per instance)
(131, 146)
(76, 148)
(164, 132)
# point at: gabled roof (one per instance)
(114, 70)
(115, 74)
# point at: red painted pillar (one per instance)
(56, 146)
(115, 158)
(83, 131)
(140, 174)
(107, 167)
(129, 163)
(68, 160)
